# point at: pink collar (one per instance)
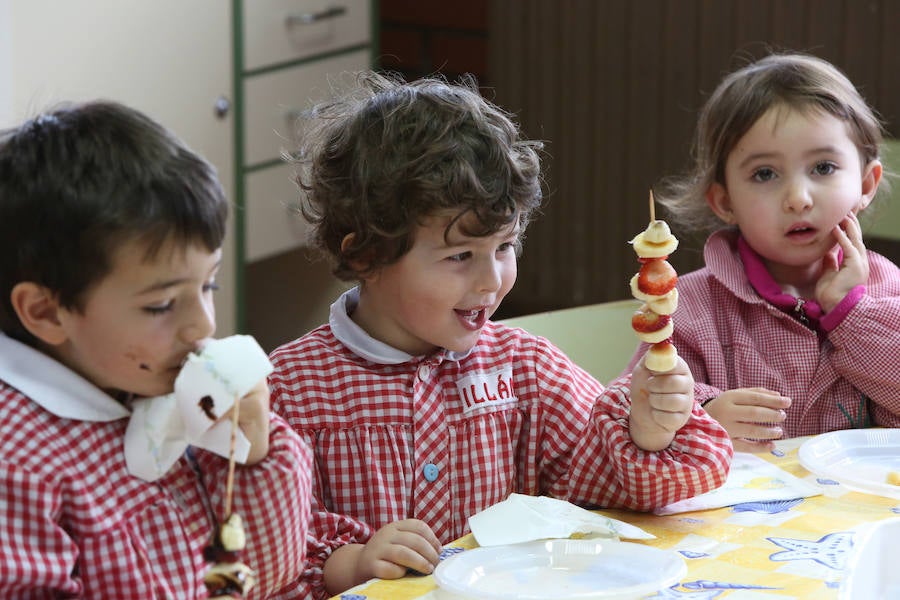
(807, 311)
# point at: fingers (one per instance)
(253, 420)
(759, 397)
(670, 421)
(670, 411)
(848, 234)
(844, 243)
(676, 381)
(851, 226)
(670, 396)
(421, 529)
(404, 545)
(256, 400)
(755, 431)
(837, 279)
(399, 559)
(261, 389)
(751, 416)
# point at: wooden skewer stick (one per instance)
(652, 208)
(229, 484)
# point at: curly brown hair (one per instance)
(379, 159)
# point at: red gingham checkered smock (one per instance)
(76, 524)
(440, 439)
(732, 338)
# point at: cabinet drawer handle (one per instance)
(309, 18)
(222, 106)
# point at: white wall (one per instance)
(168, 58)
(5, 61)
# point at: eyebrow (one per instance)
(464, 239)
(162, 285)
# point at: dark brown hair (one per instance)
(78, 181)
(375, 162)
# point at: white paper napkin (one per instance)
(751, 479)
(522, 518)
(210, 381)
(161, 428)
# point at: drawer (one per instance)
(276, 31)
(272, 222)
(273, 100)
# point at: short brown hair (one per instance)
(80, 180)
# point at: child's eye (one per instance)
(160, 309)
(212, 286)
(507, 247)
(763, 174)
(824, 168)
(460, 257)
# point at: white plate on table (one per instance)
(585, 569)
(860, 459)
(871, 571)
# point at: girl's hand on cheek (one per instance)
(838, 279)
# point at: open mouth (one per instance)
(473, 319)
(801, 232)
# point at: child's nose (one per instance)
(490, 276)
(200, 322)
(798, 197)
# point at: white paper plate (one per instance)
(857, 458)
(871, 571)
(559, 570)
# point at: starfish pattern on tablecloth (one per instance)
(673, 593)
(830, 551)
(706, 584)
(448, 552)
(770, 507)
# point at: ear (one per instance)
(38, 310)
(870, 180)
(358, 264)
(720, 203)
(345, 243)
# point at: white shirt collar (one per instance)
(361, 343)
(156, 435)
(54, 386)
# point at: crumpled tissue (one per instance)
(523, 518)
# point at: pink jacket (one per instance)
(732, 338)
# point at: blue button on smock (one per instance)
(430, 471)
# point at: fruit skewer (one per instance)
(228, 577)
(654, 284)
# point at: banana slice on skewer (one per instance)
(655, 285)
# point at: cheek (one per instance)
(137, 358)
(510, 273)
(142, 351)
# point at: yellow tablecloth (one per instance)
(792, 550)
